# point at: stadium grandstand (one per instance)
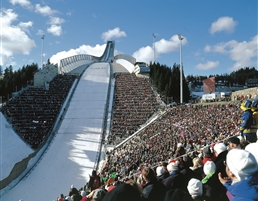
(91, 113)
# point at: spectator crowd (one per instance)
(134, 103)
(191, 152)
(34, 112)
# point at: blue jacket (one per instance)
(242, 191)
(247, 125)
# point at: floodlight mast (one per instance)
(181, 71)
(154, 56)
(42, 51)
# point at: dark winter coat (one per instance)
(219, 162)
(154, 191)
(175, 180)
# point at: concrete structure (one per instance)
(45, 75)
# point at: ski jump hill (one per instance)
(74, 150)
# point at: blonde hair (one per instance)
(197, 162)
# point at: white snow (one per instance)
(72, 155)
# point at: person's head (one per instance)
(207, 152)
(83, 193)
(173, 165)
(98, 195)
(253, 149)
(94, 173)
(209, 168)
(76, 197)
(219, 148)
(159, 170)
(125, 192)
(234, 143)
(240, 164)
(148, 174)
(197, 162)
(194, 188)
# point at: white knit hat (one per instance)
(241, 163)
(209, 167)
(159, 170)
(172, 166)
(220, 147)
(179, 145)
(253, 149)
(83, 193)
(194, 187)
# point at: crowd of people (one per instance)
(191, 152)
(194, 127)
(34, 112)
(134, 103)
(219, 172)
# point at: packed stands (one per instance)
(34, 112)
(134, 103)
(194, 127)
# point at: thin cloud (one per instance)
(54, 29)
(114, 33)
(208, 65)
(223, 24)
(14, 38)
(44, 10)
(25, 25)
(83, 49)
(23, 3)
(56, 20)
(162, 46)
(243, 53)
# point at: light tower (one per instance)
(42, 51)
(181, 71)
(154, 56)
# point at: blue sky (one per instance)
(219, 36)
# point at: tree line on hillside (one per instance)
(167, 80)
(12, 81)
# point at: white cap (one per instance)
(209, 167)
(159, 170)
(194, 187)
(241, 163)
(253, 149)
(173, 166)
(220, 147)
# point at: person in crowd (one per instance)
(61, 198)
(234, 143)
(197, 166)
(175, 179)
(195, 189)
(152, 190)
(73, 191)
(84, 197)
(76, 197)
(220, 151)
(129, 191)
(97, 194)
(208, 154)
(242, 176)
(140, 179)
(162, 173)
(94, 182)
(213, 190)
(253, 149)
(248, 127)
(68, 198)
